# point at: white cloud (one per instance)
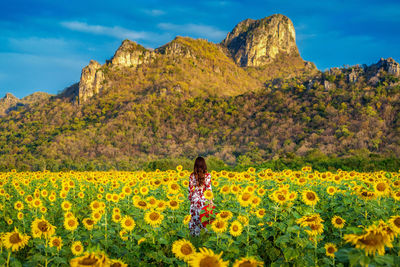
(154, 12)
(204, 31)
(115, 31)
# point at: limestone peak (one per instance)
(259, 42)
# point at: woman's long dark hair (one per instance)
(200, 170)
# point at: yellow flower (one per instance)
(243, 219)
(153, 218)
(144, 190)
(115, 262)
(236, 228)
(381, 188)
(141, 240)
(260, 213)
(206, 257)
(330, 249)
(14, 240)
(71, 223)
(316, 229)
(225, 215)
(373, 240)
(208, 194)
(128, 223)
(42, 227)
(331, 190)
(116, 217)
(77, 248)
(88, 223)
(91, 259)
(123, 234)
(66, 205)
(310, 198)
(245, 199)
(248, 262)
(183, 249)
(219, 226)
(173, 204)
(18, 205)
(338, 222)
(187, 219)
(56, 241)
(394, 222)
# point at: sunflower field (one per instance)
(264, 218)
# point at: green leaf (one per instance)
(290, 254)
(384, 260)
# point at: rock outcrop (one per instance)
(131, 54)
(8, 101)
(389, 65)
(91, 81)
(259, 42)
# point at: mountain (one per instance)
(247, 99)
(10, 102)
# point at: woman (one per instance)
(199, 181)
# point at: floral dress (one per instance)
(197, 201)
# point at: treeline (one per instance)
(357, 163)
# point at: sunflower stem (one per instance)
(8, 258)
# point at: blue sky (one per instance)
(44, 44)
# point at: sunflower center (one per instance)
(116, 264)
(56, 242)
(331, 250)
(173, 203)
(235, 228)
(246, 196)
(15, 238)
(209, 261)
(71, 223)
(397, 222)
(43, 226)
(219, 224)
(372, 239)
(154, 216)
(174, 186)
(142, 203)
(78, 248)
(246, 263)
(88, 260)
(186, 249)
(128, 222)
(314, 227)
(281, 197)
(224, 214)
(310, 196)
(261, 212)
(339, 221)
(381, 187)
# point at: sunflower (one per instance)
(144, 190)
(219, 226)
(173, 204)
(183, 249)
(71, 223)
(330, 249)
(245, 199)
(116, 217)
(247, 262)
(66, 205)
(187, 219)
(151, 201)
(141, 204)
(153, 218)
(90, 259)
(236, 228)
(96, 216)
(123, 234)
(206, 257)
(338, 222)
(279, 198)
(373, 240)
(225, 215)
(128, 223)
(307, 220)
(261, 191)
(14, 240)
(117, 263)
(77, 248)
(310, 198)
(173, 188)
(141, 240)
(95, 205)
(225, 189)
(331, 190)
(88, 223)
(260, 213)
(208, 194)
(396, 195)
(243, 219)
(56, 241)
(18, 205)
(36, 203)
(381, 188)
(316, 229)
(42, 227)
(394, 222)
(161, 205)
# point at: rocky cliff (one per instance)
(91, 81)
(259, 42)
